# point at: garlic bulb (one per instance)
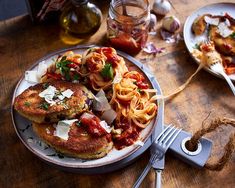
(161, 7)
(171, 24)
(153, 23)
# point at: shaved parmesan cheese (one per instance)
(109, 116)
(211, 21)
(101, 102)
(42, 69)
(61, 97)
(227, 22)
(67, 93)
(117, 78)
(63, 127)
(48, 94)
(31, 77)
(224, 30)
(35, 76)
(105, 126)
(139, 143)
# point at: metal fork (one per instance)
(158, 150)
(218, 68)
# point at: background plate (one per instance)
(214, 9)
(115, 159)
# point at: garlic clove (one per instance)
(153, 23)
(161, 7)
(171, 24)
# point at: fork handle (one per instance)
(230, 83)
(158, 183)
(142, 176)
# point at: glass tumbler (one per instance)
(128, 25)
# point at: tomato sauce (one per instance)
(127, 138)
(129, 135)
(93, 126)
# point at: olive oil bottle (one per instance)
(80, 18)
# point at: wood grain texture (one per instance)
(22, 43)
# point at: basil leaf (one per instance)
(107, 71)
(75, 77)
(44, 106)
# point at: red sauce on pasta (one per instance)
(129, 135)
(93, 126)
(127, 138)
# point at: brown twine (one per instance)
(228, 149)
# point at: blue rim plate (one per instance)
(115, 159)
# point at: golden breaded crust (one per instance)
(224, 45)
(28, 103)
(79, 144)
(199, 25)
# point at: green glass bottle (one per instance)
(80, 18)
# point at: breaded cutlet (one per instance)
(30, 105)
(79, 144)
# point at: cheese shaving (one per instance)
(224, 30)
(67, 93)
(101, 102)
(63, 128)
(105, 126)
(109, 116)
(211, 21)
(31, 77)
(34, 76)
(48, 94)
(117, 78)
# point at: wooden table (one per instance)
(22, 43)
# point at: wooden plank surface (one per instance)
(22, 43)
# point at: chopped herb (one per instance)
(75, 77)
(135, 82)
(139, 90)
(27, 104)
(196, 46)
(107, 72)
(63, 58)
(78, 123)
(44, 106)
(67, 76)
(45, 85)
(233, 35)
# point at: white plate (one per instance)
(191, 40)
(38, 147)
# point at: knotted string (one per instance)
(228, 149)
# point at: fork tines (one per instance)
(167, 136)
